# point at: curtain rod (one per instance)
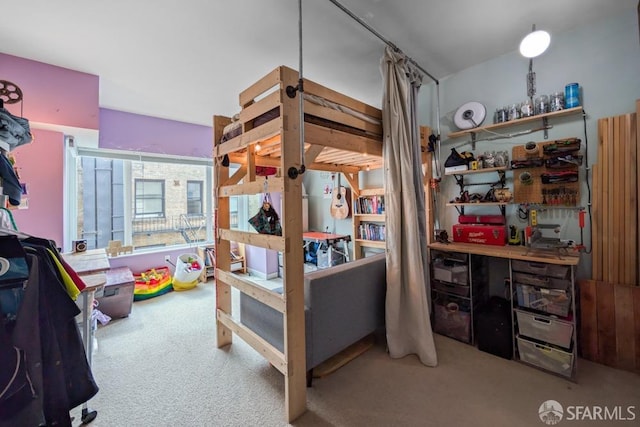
(378, 35)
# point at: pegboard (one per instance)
(557, 194)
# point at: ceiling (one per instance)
(187, 60)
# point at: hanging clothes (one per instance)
(45, 329)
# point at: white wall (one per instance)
(603, 57)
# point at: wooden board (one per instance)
(610, 324)
(345, 356)
(615, 201)
(606, 326)
(533, 193)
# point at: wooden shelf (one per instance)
(472, 171)
(517, 122)
(381, 244)
(370, 217)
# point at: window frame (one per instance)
(144, 215)
(200, 184)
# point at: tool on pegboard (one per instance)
(533, 217)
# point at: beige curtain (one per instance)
(407, 310)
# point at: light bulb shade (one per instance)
(535, 43)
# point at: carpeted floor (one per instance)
(160, 367)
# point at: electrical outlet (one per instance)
(167, 258)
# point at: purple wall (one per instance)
(40, 166)
(135, 132)
(52, 94)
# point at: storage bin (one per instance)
(546, 357)
(544, 328)
(452, 317)
(543, 281)
(541, 269)
(117, 297)
(462, 290)
(187, 274)
(554, 301)
(450, 272)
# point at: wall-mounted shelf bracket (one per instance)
(545, 126)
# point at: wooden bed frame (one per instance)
(327, 149)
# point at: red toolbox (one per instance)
(480, 233)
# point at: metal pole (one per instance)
(300, 85)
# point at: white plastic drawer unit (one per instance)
(452, 272)
(541, 269)
(545, 328)
(546, 357)
(542, 281)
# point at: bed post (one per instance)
(294, 328)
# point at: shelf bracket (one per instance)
(545, 126)
(473, 141)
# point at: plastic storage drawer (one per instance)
(450, 272)
(554, 301)
(544, 281)
(546, 357)
(452, 288)
(544, 328)
(452, 317)
(541, 269)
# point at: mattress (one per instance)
(234, 128)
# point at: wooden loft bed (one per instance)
(336, 140)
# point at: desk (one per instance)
(511, 252)
(330, 240)
(91, 266)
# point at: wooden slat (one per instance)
(263, 85)
(340, 117)
(606, 324)
(269, 352)
(614, 203)
(253, 136)
(258, 108)
(596, 228)
(636, 323)
(637, 148)
(588, 320)
(274, 185)
(315, 134)
(624, 327)
(605, 200)
(254, 290)
(277, 243)
(631, 202)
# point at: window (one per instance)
(149, 198)
(139, 199)
(194, 198)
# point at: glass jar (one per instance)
(500, 115)
(556, 101)
(541, 104)
(514, 112)
(526, 108)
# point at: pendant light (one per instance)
(532, 45)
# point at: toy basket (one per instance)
(188, 269)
